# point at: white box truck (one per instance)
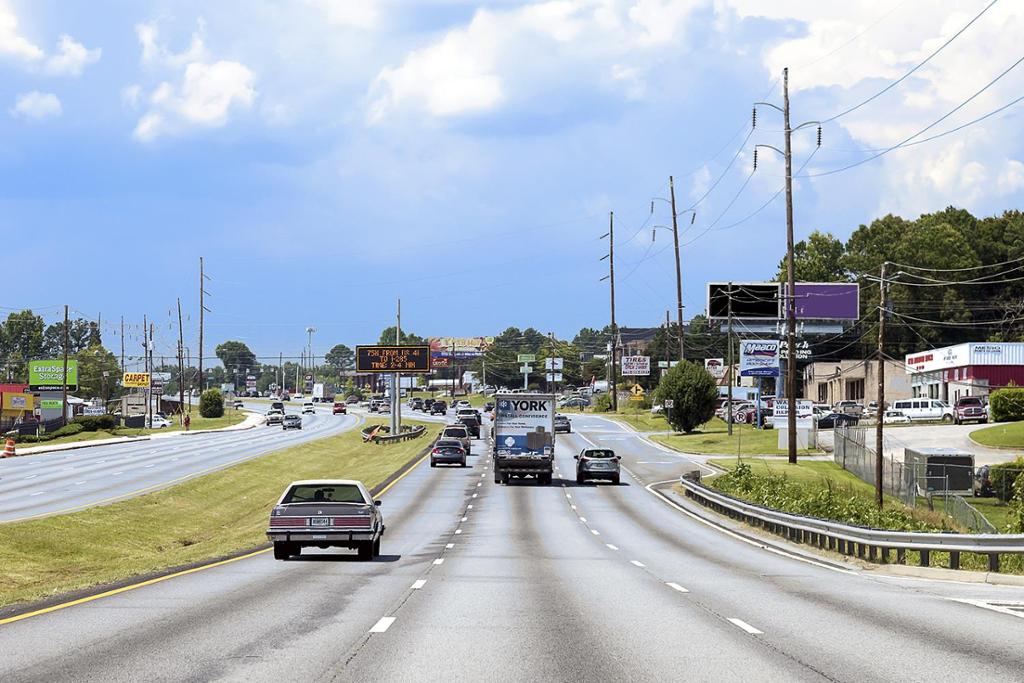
(523, 437)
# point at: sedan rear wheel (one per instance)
(282, 550)
(376, 547)
(366, 550)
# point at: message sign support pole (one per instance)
(64, 390)
(396, 404)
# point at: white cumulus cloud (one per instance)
(71, 58)
(204, 97)
(36, 105)
(12, 43)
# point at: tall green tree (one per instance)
(387, 337)
(21, 339)
(235, 354)
(819, 258)
(98, 373)
(82, 334)
(341, 357)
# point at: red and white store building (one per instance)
(971, 369)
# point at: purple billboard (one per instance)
(827, 301)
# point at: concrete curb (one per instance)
(73, 446)
(943, 574)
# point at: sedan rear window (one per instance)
(333, 493)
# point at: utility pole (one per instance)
(145, 360)
(728, 341)
(679, 272)
(122, 344)
(202, 309)
(615, 332)
(880, 413)
(152, 327)
(181, 368)
(280, 374)
(64, 389)
(790, 275)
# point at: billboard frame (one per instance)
(784, 293)
(724, 285)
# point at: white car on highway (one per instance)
(308, 409)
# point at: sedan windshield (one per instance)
(328, 493)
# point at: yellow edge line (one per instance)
(193, 570)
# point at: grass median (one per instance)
(229, 419)
(1001, 436)
(714, 439)
(203, 518)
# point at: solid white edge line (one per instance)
(739, 537)
(419, 584)
(439, 560)
(745, 626)
(382, 625)
(676, 586)
(637, 563)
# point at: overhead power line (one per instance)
(915, 68)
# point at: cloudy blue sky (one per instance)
(328, 156)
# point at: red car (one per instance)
(339, 408)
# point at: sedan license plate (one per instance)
(320, 521)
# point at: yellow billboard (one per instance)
(19, 402)
(135, 380)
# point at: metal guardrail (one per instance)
(854, 540)
(382, 436)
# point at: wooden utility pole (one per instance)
(145, 359)
(64, 389)
(880, 413)
(790, 276)
(202, 310)
(679, 272)
(122, 345)
(615, 330)
(728, 341)
(181, 368)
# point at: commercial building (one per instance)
(971, 369)
(853, 380)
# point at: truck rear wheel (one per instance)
(544, 479)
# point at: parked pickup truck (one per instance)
(326, 513)
(970, 409)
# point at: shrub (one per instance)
(1003, 477)
(1007, 405)
(69, 429)
(211, 403)
(603, 403)
(693, 392)
(92, 423)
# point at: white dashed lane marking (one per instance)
(677, 587)
(450, 546)
(611, 547)
(419, 584)
(382, 625)
(745, 626)
(439, 560)
(637, 563)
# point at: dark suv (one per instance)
(970, 409)
(438, 408)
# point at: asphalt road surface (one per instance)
(524, 583)
(62, 481)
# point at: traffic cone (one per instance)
(9, 448)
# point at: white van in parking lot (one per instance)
(920, 409)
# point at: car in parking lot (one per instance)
(157, 422)
(562, 424)
(970, 409)
(438, 408)
(597, 463)
(291, 421)
(920, 409)
(308, 409)
(275, 416)
(894, 417)
(574, 402)
(459, 432)
(448, 451)
(326, 513)
(830, 420)
(848, 408)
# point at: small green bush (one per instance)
(1003, 477)
(211, 403)
(693, 392)
(603, 403)
(1007, 405)
(69, 429)
(93, 423)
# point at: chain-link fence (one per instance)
(850, 451)
(936, 485)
